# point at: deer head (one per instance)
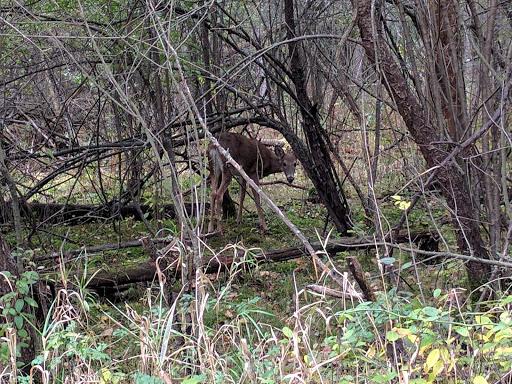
(287, 163)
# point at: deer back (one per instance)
(255, 158)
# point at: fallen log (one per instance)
(107, 280)
(73, 214)
(99, 248)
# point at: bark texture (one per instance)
(317, 163)
(428, 138)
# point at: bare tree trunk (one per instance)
(491, 159)
(317, 162)
(427, 137)
(211, 55)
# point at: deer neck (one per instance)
(275, 165)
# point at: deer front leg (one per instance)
(243, 185)
(257, 201)
(212, 212)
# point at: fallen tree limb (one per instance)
(326, 291)
(332, 246)
(73, 214)
(357, 271)
(99, 248)
(111, 279)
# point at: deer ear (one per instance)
(279, 151)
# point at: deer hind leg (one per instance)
(213, 199)
(257, 201)
(243, 186)
(219, 197)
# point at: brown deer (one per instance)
(255, 159)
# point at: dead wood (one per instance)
(110, 279)
(326, 291)
(100, 248)
(73, 214)
(357, 271)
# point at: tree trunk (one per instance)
(428, 138)
(317, 162)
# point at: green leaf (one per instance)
(426, 340)
(483, 320)
(147, 379)
(30, 301)
(287, 332)
(479, 380)
(487, 346)
(18, 320)
(392, 335)
(22, 333)
(4, 352)
(194, 380)
(23, 288)
(384, 378)
(406, 265)
(19, 305)
(31, 275)
(430, 311)
(463, 331)
(437, 292)
(348, 335)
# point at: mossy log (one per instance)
(107, 280)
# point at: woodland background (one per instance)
(398, 112)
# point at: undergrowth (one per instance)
(223, 335)
(255, 323)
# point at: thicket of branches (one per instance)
(129, 88)
(112, 99)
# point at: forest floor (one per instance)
(259, 323)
